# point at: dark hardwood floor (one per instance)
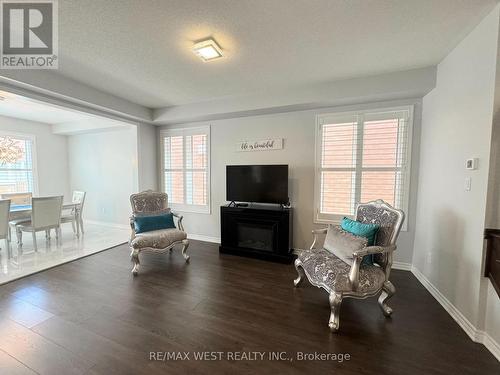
(92, 316)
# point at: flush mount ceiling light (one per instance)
(207, 50)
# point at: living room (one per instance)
(267, 188)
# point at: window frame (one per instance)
(184, 207)
(332, 117)
(34, 155)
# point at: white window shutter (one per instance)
(186, 168)
(363, 156)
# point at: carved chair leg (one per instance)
(134, 255)
(185, 246)
(388, 291)
(300, 272)
(335, 302)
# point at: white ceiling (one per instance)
(140, 49)
(66, 121)
(17, 106)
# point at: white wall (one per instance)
(298, 130)
(51, 154)
(147, 150)
(105, 165)
(456, 125)
(492, 302)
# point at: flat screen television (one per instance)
(257, 183)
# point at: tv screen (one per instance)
(257, 183)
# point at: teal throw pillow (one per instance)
(149, 223)
(369, 231)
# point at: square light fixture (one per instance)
(207, 50)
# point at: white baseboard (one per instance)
(401, 266)
(201, 237)
(490, 344)
(475, 334)
(462, 321)
(106, 224)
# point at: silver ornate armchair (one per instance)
(150, 203)
(342, 280)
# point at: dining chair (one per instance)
(4, 224)
(45, 215)
(18, 199)
(75, 217)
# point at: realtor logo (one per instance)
(29, 34)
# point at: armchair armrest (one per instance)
(179, 220)
(315, 233)
(373, 250)
(358, 257)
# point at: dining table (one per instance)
(23, 211)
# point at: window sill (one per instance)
(324, 221)
(190, 209)
(404, 228)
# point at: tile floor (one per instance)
(50, 254)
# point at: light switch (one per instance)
(468, 182)
(472, 164)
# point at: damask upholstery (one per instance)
(158, 239)
(386, 220)
(325, 270)
(341, 279)
(149, 203)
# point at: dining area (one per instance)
(63, 190)
(22, 214)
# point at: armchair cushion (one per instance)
(144, 224)
(343, 244)
(329, 272)
(158, 239)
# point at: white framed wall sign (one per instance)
(260, 145)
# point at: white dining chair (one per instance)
(45, 215)
(75, 217)
(4, 224)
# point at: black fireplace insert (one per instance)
(258, 231)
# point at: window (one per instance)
(17, 164)
(185, 163)
(362, 156)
